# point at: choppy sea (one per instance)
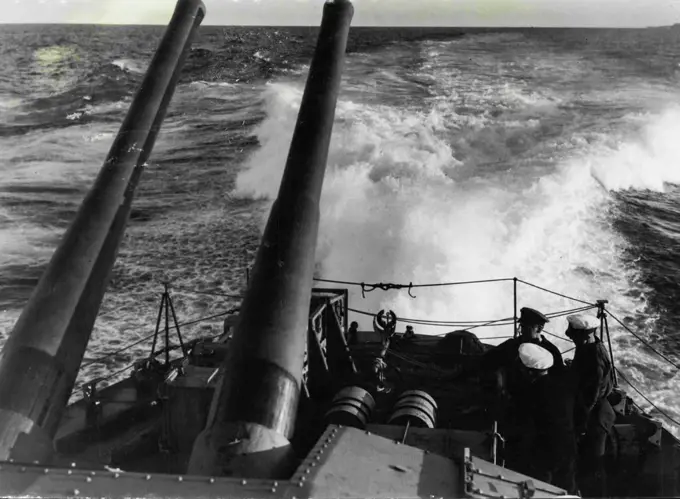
(551, 155)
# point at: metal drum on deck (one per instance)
(351, 406)
(415, 407)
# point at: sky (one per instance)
(575, 13)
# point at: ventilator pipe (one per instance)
(253, 411)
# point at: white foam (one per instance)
(262, 173)
(646, 161)
(130, 65)
(394, 211)
(209, 84)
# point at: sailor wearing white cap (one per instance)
(547, 406)
(582, 324)
(531, 323)
(535, 357)
(593, 416)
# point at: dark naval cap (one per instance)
(531, 316)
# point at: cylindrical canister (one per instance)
(351, 406)
(416, 408)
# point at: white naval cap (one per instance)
(583, 322)
(534, 356)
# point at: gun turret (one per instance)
(253, 410)
(40, 361)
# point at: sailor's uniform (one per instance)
(545, 408)
(594, 417)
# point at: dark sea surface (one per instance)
(552, 155)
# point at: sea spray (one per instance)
(393, 211)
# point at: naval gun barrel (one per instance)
(40, 361)
(253, 411)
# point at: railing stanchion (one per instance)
(604, 327)
(514, 314)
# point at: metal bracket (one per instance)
(527, 489)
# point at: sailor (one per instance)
(352, 333)
(531, 323)
(546, 408)
(409, 334)
(593, 415)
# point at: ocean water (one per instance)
(551, 155)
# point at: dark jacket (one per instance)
(506, 353)
(546, 410)
(593, 376)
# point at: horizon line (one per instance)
(317, 26)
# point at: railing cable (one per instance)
(555, 292)
(127, 347)
(663, 413)
(643, 341)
